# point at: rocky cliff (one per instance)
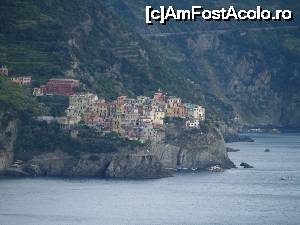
(7, 139)
(182, 150)
(105, 165)
(248, 72)
(192, 149)
(32, 148)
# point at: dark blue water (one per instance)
(238, 196)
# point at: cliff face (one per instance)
(192, 149)
(47, 150)
(247, 70)
(135, 166)
(62, 164)
(251, 74)
(7, 139)
(182, 149)
(104, 165)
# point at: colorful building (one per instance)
(159, 117)
(21, 80)
(63, 87)
(137, 119)
(3, 71)
(100, 108)
(159, 97)
(199, 113)
(38, 91)
(80, 103)
(195, 111)
(174, 102)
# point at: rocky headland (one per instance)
(181, 150)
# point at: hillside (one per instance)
(95, 47)
(80, 39)
(29, 147)
(251, 66)
(240, 73)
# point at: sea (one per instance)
(268, 194)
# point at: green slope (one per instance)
(250, 73)
(251, 66)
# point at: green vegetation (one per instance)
(54, 105)
(31, 42)
(13, 98)
(44, 39)
(99, 43)
(35, 138)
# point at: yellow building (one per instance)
(170, 112)
(159, 117)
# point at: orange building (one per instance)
(177, 112)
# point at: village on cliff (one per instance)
(141, 118)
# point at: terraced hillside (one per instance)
(242, 72)
(251, 66)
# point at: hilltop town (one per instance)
(141, 118)
(77, 133)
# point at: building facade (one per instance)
(64, 87)
(21, 80)
(3, 71)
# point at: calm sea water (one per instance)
(238, 196)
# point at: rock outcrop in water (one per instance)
(231, 137)
(197, 149)
(246, 166)
(232, 150)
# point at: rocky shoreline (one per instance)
(232, 149)
(235, 137)
(105, 166)
(59, 164)
(182, 150)
(158, 161)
